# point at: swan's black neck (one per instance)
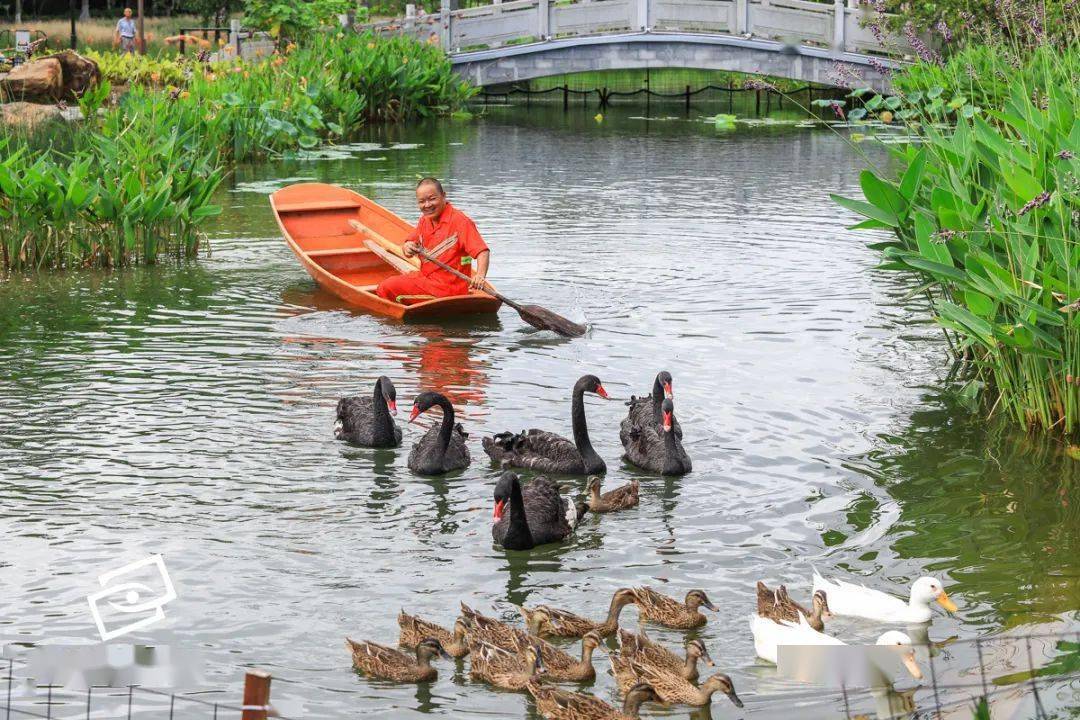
(383, 422)
(447, 428)
(581, 432)
(518, 536)
(657, 391)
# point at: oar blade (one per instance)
(543, 319)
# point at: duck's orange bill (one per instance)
(601, 391)
(499, 505)
(945, 602)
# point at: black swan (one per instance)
(535, 515)
(646, 410)
(366, 420)
(655, 447)
(442, 448)
(548, 452)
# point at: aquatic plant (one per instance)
(987, 213)
(136, 179)
(114, 201)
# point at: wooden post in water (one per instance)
(730, 96)
(757, 103)
(256, 695)
(565, 97)
(688, 101)
(768, 101)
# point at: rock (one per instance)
(36, 80)
(27, 114)
(79, 73)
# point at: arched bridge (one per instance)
(822, 42)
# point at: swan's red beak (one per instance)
(415, 413)
(601, 391)
(667, 422)
(667, 390)
(499, 505)
(392, 404)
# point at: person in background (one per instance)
(125, 33)
(447, 234)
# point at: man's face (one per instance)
(127, 12)
(430, 201)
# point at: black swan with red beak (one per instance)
(442, 448)
(534, 515)
(367, 421)
(645, 411)
(549, 452)
(656, 447)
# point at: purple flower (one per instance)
(946, 33)
(924, 53)
(881, 67)
(942, 236)
(1036, 202)
(839, 111)
(1065, 155)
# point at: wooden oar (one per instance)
(539, 317)
(402, 266)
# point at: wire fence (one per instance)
(131, 702)
(765, 100)
(946, 688)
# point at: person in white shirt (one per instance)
(125, 33)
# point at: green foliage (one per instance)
(988, 212)
(111, 200)
(986, 22)
(123, 69)
(137, 180)
(293, 20)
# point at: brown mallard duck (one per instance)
(778, 605)
(673, 689)
(490, 630)
(415, 629)
(646, 652)
(379, 661)
(559, 665)
(555, 704)
(501, 667)
(562, 623)
(668, 611)
(620, 498)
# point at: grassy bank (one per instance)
(136, 180)
(97, 33)
(986, 210)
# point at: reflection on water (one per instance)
(188, 410)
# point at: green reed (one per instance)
(986, 209)
(136, 181)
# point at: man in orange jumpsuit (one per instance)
(445, 233)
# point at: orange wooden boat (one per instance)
(315, 219)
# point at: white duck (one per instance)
(860, 601)
(770, 635)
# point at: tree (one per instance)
(85, 14)
(18, 11)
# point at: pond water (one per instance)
(188, 410)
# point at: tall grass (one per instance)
(137, 181)
(986, 210)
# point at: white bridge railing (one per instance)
(838, 25)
